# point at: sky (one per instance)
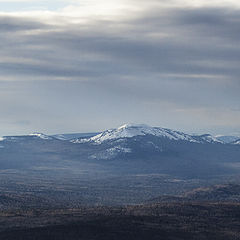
(89, 65)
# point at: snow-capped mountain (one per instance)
(208, 138)
(127, 131)
(227, 139)
(135, 139)
(41, 136)
(129, 149)
(18, 138)
(133, 130)
(237, 142)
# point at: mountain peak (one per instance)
(132, 130)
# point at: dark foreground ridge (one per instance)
(166, 221)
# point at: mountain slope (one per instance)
(215, 193)
(227, 139)
(70, 136)
(129, 149)
(133, 130)
(134, 162)
(237, 142)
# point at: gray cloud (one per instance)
(183, 63)
(10, 24)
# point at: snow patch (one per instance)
(237, 142)
(119, 150)
(41, 135)
(81, 140)
(111, 153)
(210, 139)
(227, 139)
(60, 137)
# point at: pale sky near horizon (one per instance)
(89, 65)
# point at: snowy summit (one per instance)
(132, 130)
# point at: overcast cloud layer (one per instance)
(90, 65)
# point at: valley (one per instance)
(133, 182)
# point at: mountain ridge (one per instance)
(133, 130)
(130, 130)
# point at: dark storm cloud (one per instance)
(186, 58)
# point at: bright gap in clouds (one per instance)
(89, 8)
(66, 7)
(72, 11)
(16, 6)
(97, 8)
